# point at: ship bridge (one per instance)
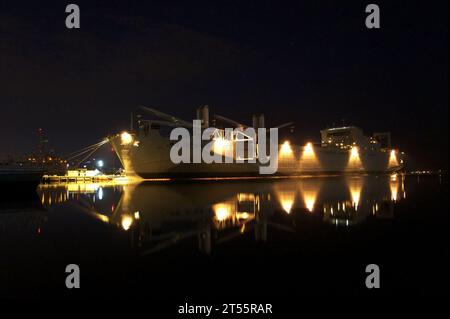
(346, 137)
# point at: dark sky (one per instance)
(313, 62)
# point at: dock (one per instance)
(48, 179)
(81, 176)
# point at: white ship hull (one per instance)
(150, 158)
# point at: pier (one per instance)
(82, 176)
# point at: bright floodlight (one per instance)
(126, 138)
(308, 150)
(286, 149)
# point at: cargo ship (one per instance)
(144, 151)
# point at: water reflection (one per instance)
(286, 199)
(309, 188)
(158, 216)
(355, 186)
(22, 214)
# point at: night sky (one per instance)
(312, 62)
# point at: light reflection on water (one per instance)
(159, 215)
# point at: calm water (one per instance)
(229, 238)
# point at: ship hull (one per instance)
(150, 158)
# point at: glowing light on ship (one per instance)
(308, 150)
(354, 162)
(308, 157)
(126, 138)
(286, 150)
(221, 145)
(393, 160)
